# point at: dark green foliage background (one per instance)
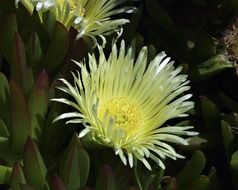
(200, 35)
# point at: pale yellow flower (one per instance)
(124, 104)
(90, 17)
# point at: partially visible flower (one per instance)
(43, 5)
(124, 104)
(40, 5)
(90, 17)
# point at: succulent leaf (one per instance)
(230, 144)
(20, 119)
(4, 99)
(17, 177)
(210, 68)
(3, 129)
(74, 167)
(7, 33)
(20, 72)
(38, 103)
(33, 50)
(191, 171)
(34, 167)
(5, 173)
(234, 167)
(211, 114)
(56, 52)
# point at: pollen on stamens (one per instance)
(76, 7)
(126, 114)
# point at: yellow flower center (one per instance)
(75, 7)
(126, 114)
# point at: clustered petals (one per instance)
(124, 102)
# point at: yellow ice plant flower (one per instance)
(90, 17)
(124, 104)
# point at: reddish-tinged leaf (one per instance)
(17, 177)
(56, 183)
(20, 119)
(19, 70)
(38, 103)
(74, 167)
(34, 167)
(4, 99)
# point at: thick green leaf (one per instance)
(49, 21)
(3, 129)
(5, 173)
(20, 119)
(234, 167)
(33, 50)
(211, 114)
(230, 143)
(17, 177)
(52, 132)
(74, 168)
(191, 171)
(59, 45)
(4, 99)
(28, 5)
(234, 161)
(20, 72)
(34, 167)
(201, 183)
(13, 50)
(7, 33)
(196, 141)
(210, 68)
(4, 150)
(38, 103)
(213, 139)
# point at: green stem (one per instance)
(137, 176)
